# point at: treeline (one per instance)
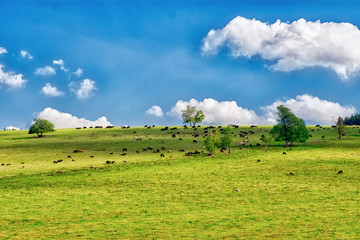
(353, 120)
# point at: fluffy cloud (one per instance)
(155, 111)
(226, 112)
(25, 54)
(84, 89)
(10, 79)
(311, 109)
(291, 46)
(2, 50)
(11, 128)
(51, 91)
(78, 72)
(61, 63)
(45, 71)
(66, 120)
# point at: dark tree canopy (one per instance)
(353, 120)
(289, 128)
(41, 126)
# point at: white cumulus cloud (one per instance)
(225, 112)
(66, 120)
(45, 71)
(78, 72)
(26, 54)
(84, 89)
(311, 109)
(11, 79)
(61, 63)
(2, 50)
(51, 91)
(11, 128)
(155, 111)
(291, 46)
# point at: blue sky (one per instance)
(136, 54)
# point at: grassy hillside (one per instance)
(145, 196)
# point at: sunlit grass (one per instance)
(177, 197)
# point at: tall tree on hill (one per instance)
(41, 126)
(226, 139)
(340, 126)
(289, 128)
(191, 115)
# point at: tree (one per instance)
(211, 142)
(289, 128)
(41, 126)
(199, 117)
(353, 120)
(227, 139)
(266, 139)
(191, 115)
(340, 127)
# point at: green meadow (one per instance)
(248, 194)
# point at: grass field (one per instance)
(145, 196)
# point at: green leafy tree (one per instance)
(211, 142)
(41, 126)
(226, 139)
(199, 117)
(191, 115)
(340, 127)
(289, 128)
(266, 139)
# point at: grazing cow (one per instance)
(310, 135)
(110, 162)
(109, 126)
(123, 154)
(258, 160)
(194, 141)
(237, 190)
(174, 128)
(284, 153)
(162, 148)
(188, 154)
(339, 172)
(181, 150)
(69, 156)
(150, 148)
(92, 156)
(258, 145)
(292, 174)
(137, 151)
(180, 139)
(91, 127)
(124, 149)
(22, 162)
(169, 151)
(111, 153)
(162, 155)
(78, 128)
(144, 150)
(197, 152)
(173, 136)
(222, 149)
(253, 126)
(323, 137)
(138, 139)
(73, 160)
(78, 151)
(157, 151)
(196, 135)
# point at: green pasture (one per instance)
(146, 196)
